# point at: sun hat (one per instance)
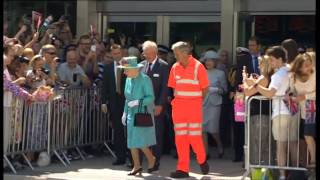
(129, 63)
(210, 55)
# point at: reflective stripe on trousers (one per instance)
(192, 129)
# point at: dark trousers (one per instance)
(238, 139)
(120, 142)
(169, 142)
(226, 120)
(159, 127)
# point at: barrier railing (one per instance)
(73, 119)
(260, 146)
(25, 129)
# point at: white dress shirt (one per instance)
(152, 64)
(115, 70)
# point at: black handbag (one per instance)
(142, 119)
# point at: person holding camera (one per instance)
(17, 69)
(10, 90)
(49, 53)
(71, 73)
(64, 32)
(88, 57)
(57, 43)
(37, 76)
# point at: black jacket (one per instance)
(159, 76)
(109, 94)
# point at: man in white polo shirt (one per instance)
(281, 117)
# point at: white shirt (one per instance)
(115, 70)
(280, 82)
(152, 64)
(308, 88)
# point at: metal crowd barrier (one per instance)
(25, 129)
(260, 145)
(73, 119)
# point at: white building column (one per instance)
(228, 39)
(163, 28)
(86, 15)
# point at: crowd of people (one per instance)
(52, 58)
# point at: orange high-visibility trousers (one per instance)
(187, 120)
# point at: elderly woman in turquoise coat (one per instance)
(138, 89)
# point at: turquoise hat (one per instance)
(129, 63)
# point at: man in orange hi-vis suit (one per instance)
(189, 79)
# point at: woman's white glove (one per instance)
(124, 118)
(133, 103)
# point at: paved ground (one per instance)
(100, 168)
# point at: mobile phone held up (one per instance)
(75, 77)
(93, 48)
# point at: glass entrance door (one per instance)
(135, 29)
(202, 31)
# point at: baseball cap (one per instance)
(163, 49)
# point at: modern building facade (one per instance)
(207, 23)
(223, 24)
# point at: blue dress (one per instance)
(136, 89)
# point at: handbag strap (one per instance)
(140, 107)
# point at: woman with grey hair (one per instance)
(213, 101)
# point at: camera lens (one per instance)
(57, 59)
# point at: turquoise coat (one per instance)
(136, 89)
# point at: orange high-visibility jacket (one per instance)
(188, 84)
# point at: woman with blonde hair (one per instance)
(36, 76)
(257, 109)
(312, 54)
(303, 81)
(263, 79)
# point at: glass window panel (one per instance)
(202, 35)
(137, 31)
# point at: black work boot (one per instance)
(204, 167)
(179, 174)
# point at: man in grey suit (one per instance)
(158, 71)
